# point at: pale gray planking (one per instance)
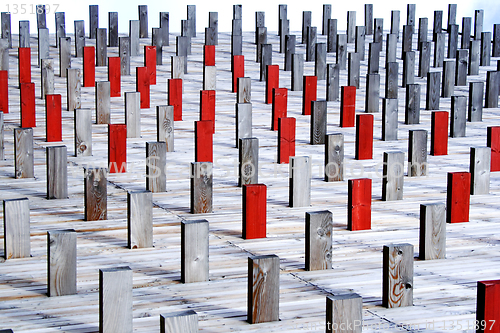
(79, 36)
(474, 57)
(369, 19)
(209, 78)
(353, 69)
(391, 47)
(290, 41)
(4, 55)
(93, 20)
(41, 19)
(320, 61)
(60, 26)
(112, 29)
(57, 172)
(133, 34)
(61, 262)
(395, 21)
(378, 32)
(244, 90)
(374, 50)
(408, 68)
(101, 48)
(7, 27)
(391, 80)
(139, 219)
(318, 240)
(177, 65)
(448, 84)
(410, 14)
(194, 251)
(360, 42)
(351, 26)
(341, 52)
(24, 34)
(124, 53)
(115, 300)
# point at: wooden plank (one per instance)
(318, 122)
(393, 176)
(64, 55)
(360, 42)
(412, 105)
(61, 262)
(458, 197)
(237, 69)
(480, 165)
(113, 29)
(244, 93)
(114, 76)
(432, 231)
(115, 300)
(102, 102)
(95, 195)
(334, 157)
(57, 172)
(359, 201)
(389, 119)
(351, 26)
(391, 80)
(175, 97)
(263, 289)
(439, 50)
(243, 122)
(150, 62)
(209, 78)
(254, 212)
(165, 125)
(297, 72)
(476, 93)
(23, 152)
(344, 313)
(372, 103)
(207, 106)
(248, 161)
(156, 162)
(433, 91)
(461, 67)
(124, 52)
(47, 78)
(279, 106)
(179, 322)
(140, 219)
(201, 187)
(272, 82)
(16, 228)
(458, 116)
(24, 66)
(318, 247)
(364, 137)
(83, 132)
(143, 83)
(309, 93)
(332, 82)
(448, 87)
(43, 45)
(417, 153)
(397, 275)
(79, 35)
(93, 20)
(27, 97)
(74, 89)
(101, 47)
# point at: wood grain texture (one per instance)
(83, 132)
(266, 59)
(408, 68)
(79, 35)
(378, 30)
(393, 176)
(115, 300)
(93, 20)
(201, 187)
(341, 52)
(391, 80)
(4, 54)
(423, 23)
(332, 36)
(466, 32)
(133, 114)
(439, 49)
(461, 67)
(320, 61)
(480, 165)
(139, 219)
(332, 82)
(16, 228)
(474, 57)
(95, 194)
(290, 43)
(61, 262)
(334, 157)
(263, 289)
(177, 67)
(417, 153)
(209, 78)
(458, 116)
(179, 322)
(248, 166)
(254, 212)
(391, 48)
(374, 58)
(261, 40)
(60, 26)
(327, 14)
(492, 90)
(452, 40)
(353, 69)
(113, 29)
(243, 121)
(157, 43)
(47, 78)
(102, 102)
(318, 245)
(433, 91)
(74, 89)
(448, 78)
(43, 44)
(299, 181)
(351, 26)
(424, 62)
(344, 313)
(432, 231)
(156, 161)
(23, 152)
(397, 275)
(395, 22)
(476, 93)
(412, 104)
(389, 119)
(297, 72)
(372, 99)
(318, 126)
(244, 93)
(306, 23)
(64, 55)
(57, 172)
(194, 251)
(213, 22)
(124, 51)
(485, 48)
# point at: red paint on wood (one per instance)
(272, 81)
(24, 54)
(347, 106)
(209, 55)
(280, 101)
(207, 106)
(88, 66)
(114, 76)
(254, 211)
(458, 197)
(364, 136)
(488, 306)
(359, 211)
(150, 62)
(175, 97)
(28, 105)
(286, 139)
(117, 148)
(53, 118)
(203, 141)
(493, 139)
(142, 85)
(439, 133)
(309, 93)
(4, 91)
(238, 69)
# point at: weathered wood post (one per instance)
(492, 90)
(209, 77)
(47, 79)
(485, 48)
(203, 134)
(1, 137)
(213, 23)
(124, 51)
(306, 23)
(433, 93)
(261, 40)
(254, 211)
(238, 70)
(299, 181)
(286, 139)
(332, 82)
(115, 300)
(7, 27)
(458, 197)
(297, 72)
(61, 262)
(423, 24)
(389, 119)
(353, 69)
(332, 35)
(448, 86)
(93, 20)
(439, 133)
(290, 42)
(259, 23)
(344, 313)
(408, 68)
(83, 132)
(395, 22)
(117, 148)
(374, 57)
(417, 153)
(113, 29)
(43, 46)
(476, 93)
(391, 80)
(327, 15)
(207, 106)
(439, 50)
(53, 119)
(309, 93)
(157, 45)
(150, 62)
(96, 194)
(334, 157)
(114, 76)
(244, 93)
(318, 122)
(57, 172)
(341, 52)
(487, 305)
(73, 89)
(474, 57)
(263, 289)
(156, 161)
(24, 65)
(412, 105)
(466, 32)
(478, 23)
(143, 21)
(480, 165)
(16, 228)
(432, 232)
(175, 97)
(267, 59)
(393, 176)
(248, 161)
(424, 62)
(201, 187)
(179, 322)
(320, 61)
(407, 40)
(364, 137)
(23, 152)
(101, 47)
(372, 98)
(243, 122)
(496, 40)
(191, 17)
(359, 203)
(64, 55)
(27, 101)
(452, 40)
(351, 26)
(391, 48)
(79, 35)
(143, 86)
(319, 232)
(458, 116)
(461, 67)
(360, 42)
(279, 107)
(397, 280)
(194, 251)
(272, 81)
(140, 219)
(102, 102)
(493, 141)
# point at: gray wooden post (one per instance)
(466, 32)
(181, 49)
(1, 137)
(74, 89)
(210, 36)
(133, 34)
(83, 132)
(244, 90)
(297, 72)
(24, 34)
(177, 64)
(140, 219)
(480, 164)
(64, 55)
(412, 104)
(478, 23)
(372, 93)
(261, 39)
(474, 57)
(397, 277)
(102, 102)
(496, 40)
(393, 176)
(332, 35)
(424, 62)
(452, 14)
(61, 262)
(318, 122)
(327, 15)
(344, 311)
(124, 52)
(408, 68)
(93, 20)
(95, 194)
(458, 116)
(476, 93)
(43, 45)
(437, 26)
(112, 29)
(165, 29)
(461, 67)
(300, 181)
(156, 162)
(433, 85)
(165, 125)
(351, 26)
(378, 32)
(306, 23)
(16, 228)
(360, 42)
(143, 21)
(432, 231)
(320, 61)
(332, 82)
(179, 322)
(439, 50)
(185, 32)
(289, 51)
(485, 48)
(282, 15)
(263, 289)
(213, 22)
(60, 26)
(423, 24)
(191, 17)
(374, 57)
(410, 14)
(7, 27)
(391, 80)
(395, 22)
(194, 251)
(448, 78)
(23, 152)
(391, 47)
(452, 41)
(47, 78)
(353, 70)
(389, 119)
(341, 50)
(417, 153)
(101, 50)
(201, 187)
(79, 36)
(407, 39)
(209, 78)
(334, 157)
(237, 39)
(156, 41)
(132, 113)
(248, 166)
(492, 84)
(311, 43)
(243, 122)
(259, 23)
(115, 300)
(285, 28)
(57, 172)
(369, 19)
(319, 232)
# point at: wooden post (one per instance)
(410, 14)
(23, 152)
(461, 67)
(207, 106)
(364, 136)
(487, 311)
(393, 176)
(397, 277)
(209, 77)
(248, 161)
(57, 172)
(372, 103)
(1, 137)
(417, 153)
(156, 162)
(389, 119)
(318, 122)
(391, 80)
(282, 15)
(102, 102)
(423, 24)
(408, 68)
(41, 21)
(391, 47)
(478, 23)
(194, 251)
(448, 78)
(211, 36)
(96, 194)
(279, 108)
(290, 41)
(7, 27)
(272, 81)
(374, 58)
(165, 125)
(133, 114)
(143, 86)
(4, 91)
(309, 93)
(439, 133)
(244, 93)
(297, 72)
(496, 40)
(327, 15)
(458, 116)
(425, 59)
(112, 29)
(452, 40)
(412, 107)
(332, 35)
(493, 141)
(150, 62)
(395, 22)
(143, 21)
(93, 20)
(344, 313)
(320, 61)
(341, 51)
(191, 16)
(203, 133)
(47, 79)
(179, 322)
(64, 55)
(140, 219)
(117, 148)
(407, 40)
(115, 300)
(474, 57)
(476, 93)
(156, 41)
(369, 19)
(432, 232)
(261, 40)
(439, 50)
(485, 48)
(201, 187)
(74, 89)
(213, 22)
(466, 32)
(125, 52)
(61, 262)
(238, 70)
(243, 122)
(353, 69)
(27, 97)
(79, 36)
(254, 211)
(101, 48)
(175, 97)
(286, 139)
(433, 85)
(300, 181)
(351, 26)
(359, 201)
(360, 42)
(134, 37)
(16, 228)
(209, 55)
(480, 165)
(114, 76)
(319, 232)
(177, 67)
(378, 32)
(259, 23)
(306, 23)
(285, 28)
(24, 65)
(492, 90)
(332, 82)
(263, 289)
(43, 46)
(267, 59)
(458, 197)
(334, 157)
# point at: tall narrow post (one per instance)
(64, 55)
(263, 289)
(47, 79)
(117, 148)
(61, 262)
(133, 114)
(194, 251)
(279, 108)
(57, 172)
(165, 125)
(201, 187)
(102, 102)
(319, 232)
(344, 311)
(300, 181)
(359, 202)
(248, 161)
(23, 152)
(439, 133)
(432, 232)
(74, 89)
(458, 116)
(412, 107)
(203, 133)
(393, 176)
(397, 279)
(364, 137)
(243, 122)
(27, 97)
(254, 211)
(95, 194)
(309, 93)
(115, 300)
(286, 139)
(433, 93)
(458, 197)
(480, 165)
(139, 219)
(16, 228)
(334, 157)
(53, 118)
(389, 119)
(318, 122)
(156, 162)
(417, 153)
(332, 82)
(175, 97)
(114, 76)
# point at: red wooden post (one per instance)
(88, 66)
(439, 133)
(4, 91)
(272, 81)
(488, 306)
(309, 93)
(458, 197)
(347, 106)
(364, 136)
(359, 202)
(150, 62)
(254, 211)
(142, 85)
(117, 148)
(280, 101)
(238, 69)
(286, 139)
(175, 97)
(24, 54)
(493, 139)
(114, 76)
(28, 105)
(207, 106)
(203, 141)
(209, 55)
(53, 118)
